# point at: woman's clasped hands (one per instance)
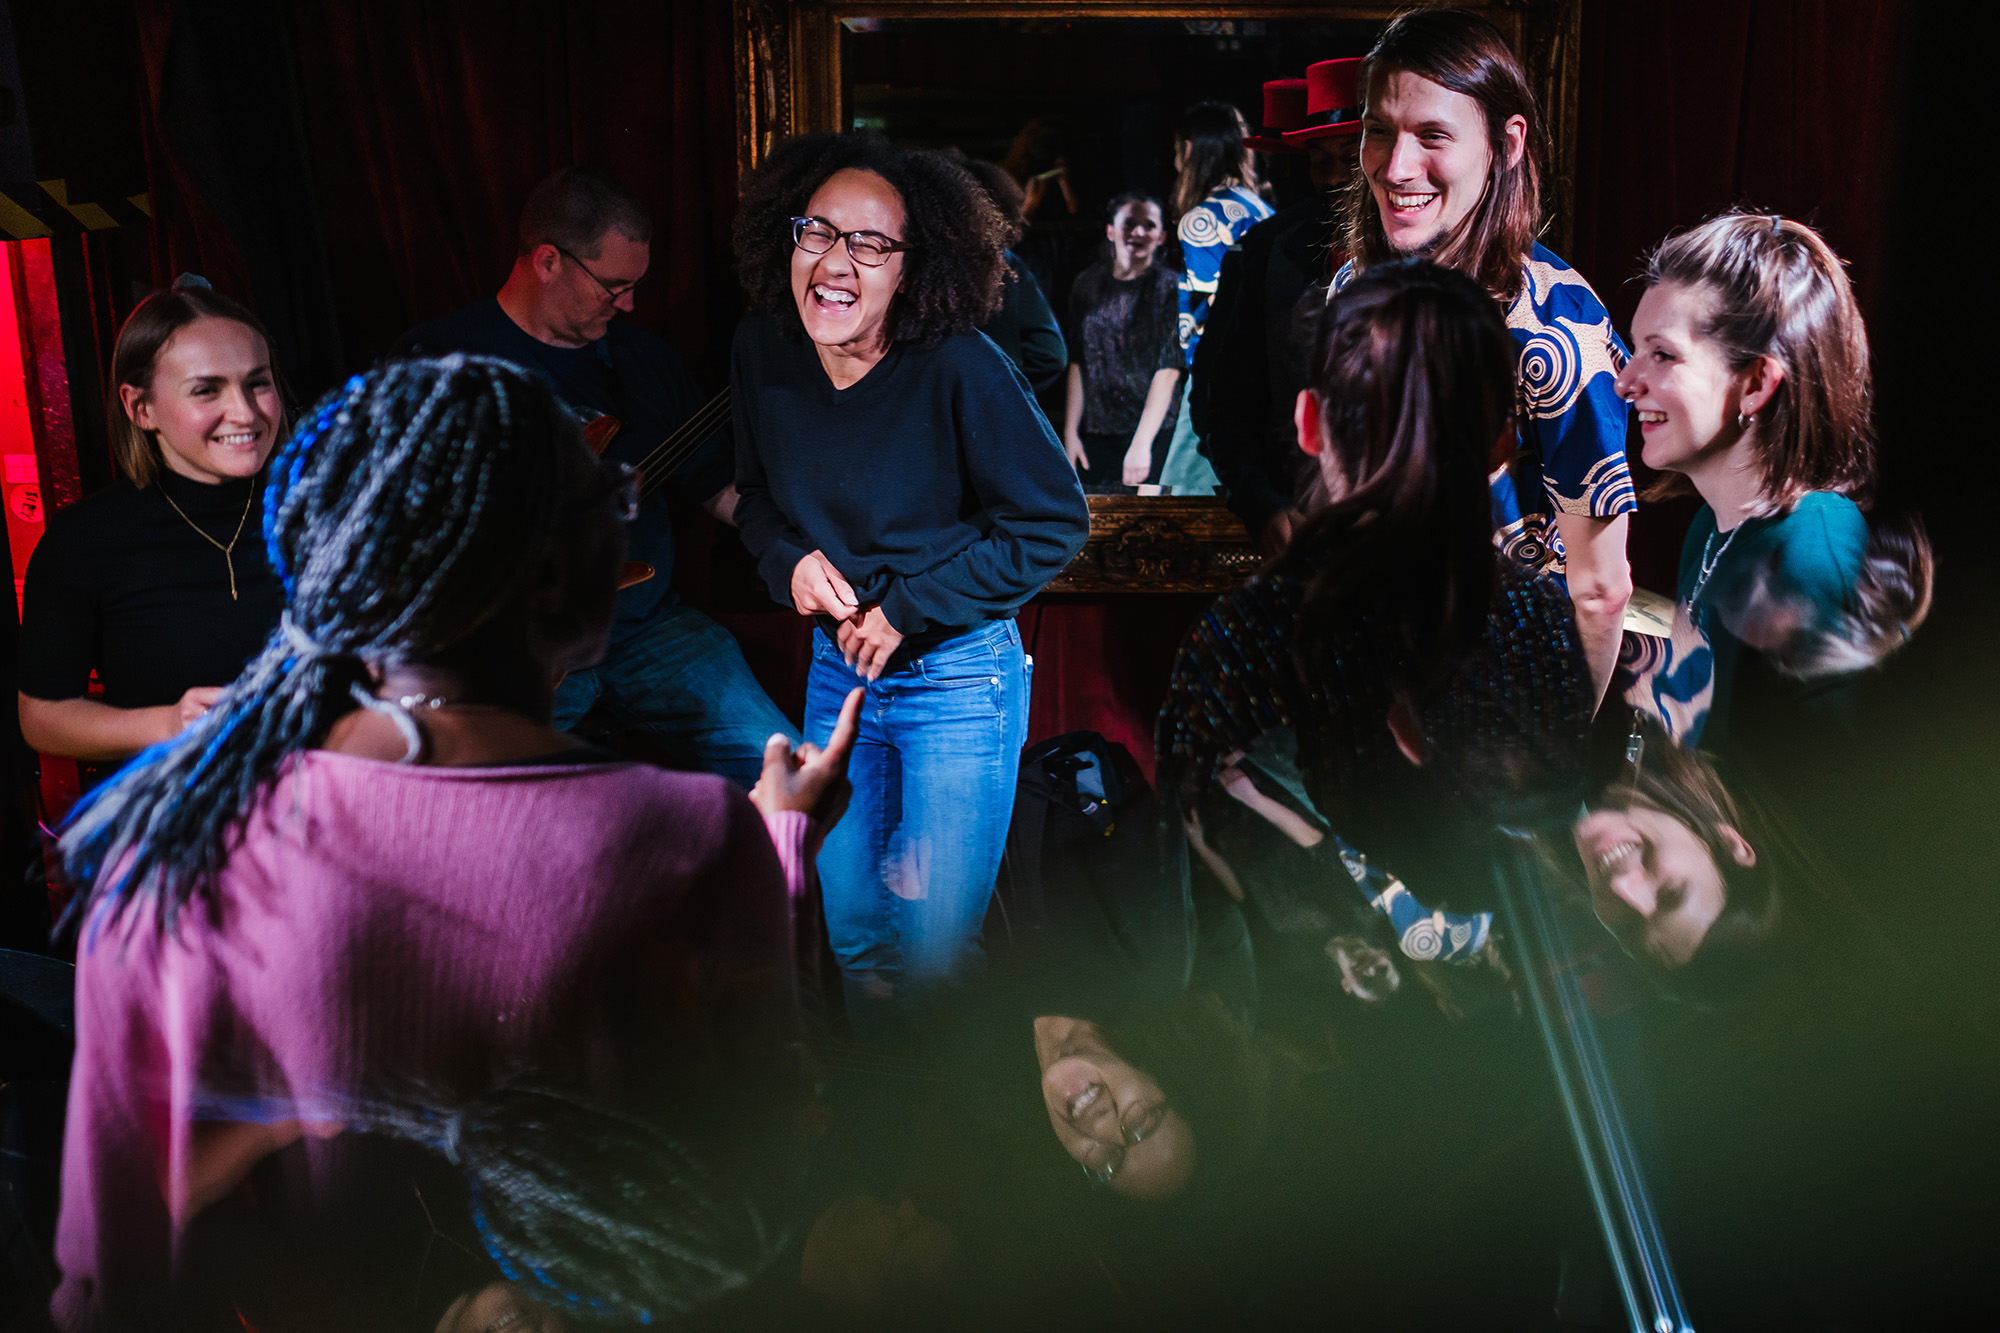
(867, 640)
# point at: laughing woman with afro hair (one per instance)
(900, 486)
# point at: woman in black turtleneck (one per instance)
(159, 583)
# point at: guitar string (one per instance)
(669, 456)
(677, 448)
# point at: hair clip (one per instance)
(188, 282)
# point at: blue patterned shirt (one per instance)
(1206, 232)
(1571, 454)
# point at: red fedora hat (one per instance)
(1284, 109)
(1333, 100)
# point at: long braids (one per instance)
(400, 517)
(602, 1215)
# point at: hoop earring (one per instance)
(1745, 422)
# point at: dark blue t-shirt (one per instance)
(630, 374)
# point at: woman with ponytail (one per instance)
(373, 863)
(1393, 677)
(1750, 377)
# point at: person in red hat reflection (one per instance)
(1451, 152)
(1249, 368)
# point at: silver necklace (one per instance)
(1710, 561)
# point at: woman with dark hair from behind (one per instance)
(1217, 198)
(374, 865)
(1125, 353)
(900, 485)
(159, 584)
(1750, 376)
(1392, 679)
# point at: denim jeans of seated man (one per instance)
(907, 873)
(679, 679)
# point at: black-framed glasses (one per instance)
(1143, 1126)
(816, 236)
(622, 290)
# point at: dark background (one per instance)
(353, 168)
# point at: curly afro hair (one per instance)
(951, 278)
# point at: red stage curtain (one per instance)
(429, 123)
(1686, 109)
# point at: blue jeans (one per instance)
(907, 873)
(679, 679)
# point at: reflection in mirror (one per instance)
(1120, 134)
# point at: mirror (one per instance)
(1079, 102)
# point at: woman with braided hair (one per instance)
(374, 863)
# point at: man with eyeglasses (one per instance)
(671, 674)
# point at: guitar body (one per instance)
(599, 432)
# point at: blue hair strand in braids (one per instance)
(404, 515)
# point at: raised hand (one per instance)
(810, 779)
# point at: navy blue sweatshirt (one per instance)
(934, 485)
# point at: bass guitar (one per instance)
(659, 465)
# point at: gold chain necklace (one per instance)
(228, 552)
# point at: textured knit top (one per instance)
(1123, 331)
(385, 928)
(1504, 733)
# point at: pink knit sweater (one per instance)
(384, 928)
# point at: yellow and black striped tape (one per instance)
(44, 208)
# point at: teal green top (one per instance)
(1802, 566)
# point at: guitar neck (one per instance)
(672, 453)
